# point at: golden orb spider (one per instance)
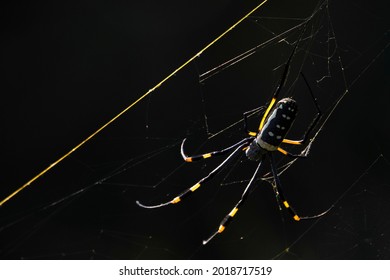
(274, 125)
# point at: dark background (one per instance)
(69, 67)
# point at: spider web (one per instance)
(86, 207)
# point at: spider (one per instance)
(274, 125)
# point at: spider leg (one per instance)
(282, 81)
(228, 218)
(287, 153)
(281, 84)
(211, 154)
(248, 113)
(280, 196)
(314, 122)
(278, 191)
(215, 171)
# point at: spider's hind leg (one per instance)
(280, 196)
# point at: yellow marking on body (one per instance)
(233, 212)
(207, 155)
(195, 187)
(282, 151)
(296, 218)
(221, 229)
(286, 204)
(176, 200)
(266, 113)
(188, 159)
(245, 148)
(292, 142)
(250, 133)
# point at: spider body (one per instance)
(274, 130)
(259, 146)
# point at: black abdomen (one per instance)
(277, 124)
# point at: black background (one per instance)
(69, 67)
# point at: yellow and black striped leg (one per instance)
(310, 128)
(228, 218)
(307, 132)
(292, 142)
(287, 153)
(313, 123)
(280, 196)
(189, 191)
(278, 191)
(281, 83)
(211, 154)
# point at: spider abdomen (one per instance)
(274, 130)
(277, 124)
